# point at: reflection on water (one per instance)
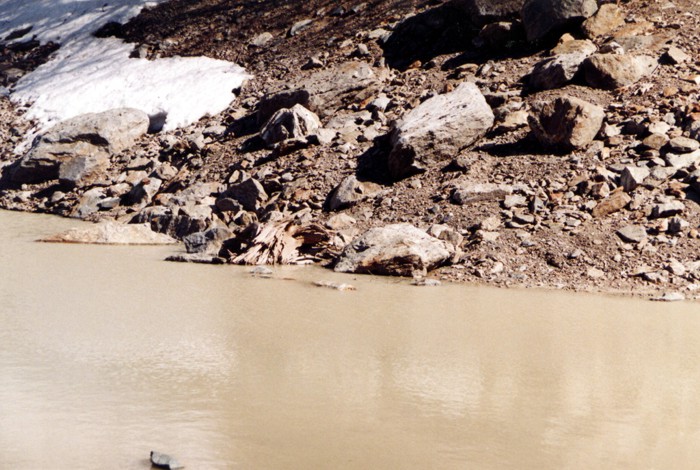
(107, 353)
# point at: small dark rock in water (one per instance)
(159, 460)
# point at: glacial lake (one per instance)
(107, 353)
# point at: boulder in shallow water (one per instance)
(159, 460)
(395, 250)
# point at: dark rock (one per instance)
(543, 18)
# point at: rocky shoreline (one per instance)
(468, 141)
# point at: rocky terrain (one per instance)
(514, 142)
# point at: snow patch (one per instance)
(89, 74)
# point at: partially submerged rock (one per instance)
(165, 461)
(396, 250)
(112, 233)
(438, 129)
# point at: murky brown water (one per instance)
(107, 353)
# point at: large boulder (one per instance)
(395, 250)
(566, 123)
(438, 129)
(543, 18)
(610, 71)
(93, 135)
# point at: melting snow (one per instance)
(89, 74)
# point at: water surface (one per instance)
(108, 352)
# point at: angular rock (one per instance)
(477, 192)
(207, 242)
(633, 176)
(683, 160)
(249, 193)
(543, 18)
(89, 203)
(438, 129)
(397, 250)
(566, 123)
(96, 135)
(144, 192)
(683, 144)
(112, 233)
(610, 71)
(605, 20)
(350, 191)
(295, 123)
(559, 70)
(632, 233)
(82, 170)
(617, 201)
(332, 88)
(272, 103)
(675, 56)
(667, 209)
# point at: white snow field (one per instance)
(89, 74)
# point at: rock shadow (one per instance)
(438, 31)
(372, 165)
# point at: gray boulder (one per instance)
(438, 129)
(396, 250)
(295, 123)
(96, 135)
(610, 71)
(208, 242)
(557, 71)
(542, 18)
(566, 123)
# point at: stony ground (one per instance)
(546, 233)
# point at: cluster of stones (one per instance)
(80, 167)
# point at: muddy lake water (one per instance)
(107, 353)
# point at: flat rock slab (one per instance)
(112, 233)
(394, 250)
(438, 129)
